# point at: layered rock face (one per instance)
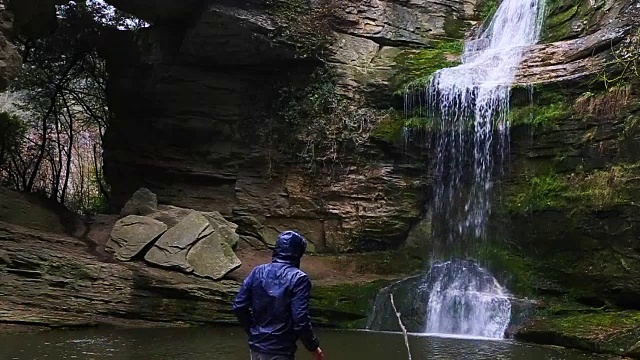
(52, 280)
(194, 94)
(568, 200)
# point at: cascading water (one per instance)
(474, 98)
(467, 300)
(472, 101)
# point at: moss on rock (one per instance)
(344, 305)
(414, 67)
(513, 270)
(394, 125)
(568, 18)
(596, 189)
(487, 8)
(539, 115)
(614, 332)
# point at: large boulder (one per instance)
(143, 202)
(201, 244)
(171, 215)
(132, 234)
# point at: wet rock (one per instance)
(170, 215)
(212, 257)
(613, 332)
(132, 234)
(223, 229)
(143, 202)
(54, 280)
(200, 244)
(253, 242)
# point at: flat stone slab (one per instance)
(202, 244)
(131, 235)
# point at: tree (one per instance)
(63, 87)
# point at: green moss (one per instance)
(414, 67)
(513, 269)
(596, 189)
(487, 8)
(606, 332)
(539, 115)
(561, 14)
(539, 192)
(344, 305)
(585, 324)
(454, 28)
(391, 128)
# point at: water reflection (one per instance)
(228, 343)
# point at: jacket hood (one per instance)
(289, 249)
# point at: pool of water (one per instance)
(229, 344)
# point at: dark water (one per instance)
(229, 344)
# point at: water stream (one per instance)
(470, 102)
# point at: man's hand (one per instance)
(318, 354)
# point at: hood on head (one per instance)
(289, 249)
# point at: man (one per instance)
(273, 304)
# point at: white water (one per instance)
(465, 299)
(475, 96)
(473, 103)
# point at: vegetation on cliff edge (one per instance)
(304, 24)
(593, 189)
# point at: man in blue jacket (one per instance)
(273, 304)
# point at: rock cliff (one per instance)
(195, 95)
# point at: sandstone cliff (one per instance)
(195, 95)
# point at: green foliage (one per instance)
(515, 270)
(540, 192)
(624, 68)
(487, 8)
(415, 67)
(541, 116)
(12, 132)
(596, 189)
(315, 123)
(62, 87)
(304, 24)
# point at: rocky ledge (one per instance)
(616, 332)
(53, 280)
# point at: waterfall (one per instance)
(465, 299)
(472, 103)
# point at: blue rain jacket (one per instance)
(273, 302)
